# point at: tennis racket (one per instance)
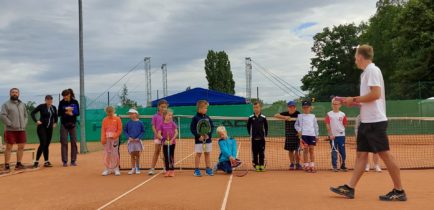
(239, 168)
(169, 158)
(203, 128)
(333, 148)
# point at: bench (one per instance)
(32, 150)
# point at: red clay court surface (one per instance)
(83, 187)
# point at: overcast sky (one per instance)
(39, 42)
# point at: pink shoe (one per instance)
(171, 173)
(167, 174)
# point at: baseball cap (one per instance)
(133, 111)
(306, 103)
(291, 103)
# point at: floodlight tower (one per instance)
(164, 71)
(248, 78)
(148, 81)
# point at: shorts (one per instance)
(157, 141)
(15, 137)
(309, 140)
(372, 137)
(292, 143)
(198, 148)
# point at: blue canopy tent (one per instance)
(190, 97)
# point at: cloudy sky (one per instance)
(39, 42)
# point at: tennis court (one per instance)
(83, 187)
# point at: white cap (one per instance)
(133, 111)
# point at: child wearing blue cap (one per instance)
(291, 140)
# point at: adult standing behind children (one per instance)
(372, 132)
(14, 116)
(47, 121)
(68, 112)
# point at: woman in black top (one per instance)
(68, 112)
(47, 121)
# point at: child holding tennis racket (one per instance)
(292, 142)
(110, 133)
(201, 127)
(134, 131)
(307, 127)
(228, 152)
(168, 132)
(157, 119)
(336, 121)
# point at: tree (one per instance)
(125, 101)
(333, 71)
(218, 72)
(30, 106)
(415, 50)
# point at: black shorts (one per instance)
(292, 143)
(372, 137)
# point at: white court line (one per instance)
(228, 187)
(136, 187)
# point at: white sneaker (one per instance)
(137, 171)
(117, 172)
(105, 172)
(367, 168)
(151, 171)
(133, 170)
(378, 168)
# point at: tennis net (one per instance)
(411, 142)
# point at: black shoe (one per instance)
(7, 167)
(343, 168)
(343, 190)
(47, 164)
(394, 195)
(19, 166)
(36, 165)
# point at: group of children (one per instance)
(301, 135)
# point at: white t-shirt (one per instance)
(337, 122)
(307, 125)
(374, 111)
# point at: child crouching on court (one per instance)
(134, 131)
(307, 127)
(168, 132)
(110, 131)
(228, 152)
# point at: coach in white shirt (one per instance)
(372, 135)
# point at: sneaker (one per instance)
(132, 171)
(48, 164)
(73, 163)
(299, 167)
(262, 168)
(172, 173)
(367, 168)
(343, 168)
(151, 171)
(105, 172)
(65, 164)
(19, 166)
(307, 169)
(138, 171)
(292, 166)
(377, 168)
(312, 170)
(117, 172)
(335, 169)
(344, 190)
(7, 167)
(36, 165)
(197, 172)
(257, 168)
(394, 195)
(209, 172)
(167, 174)
(214, 169)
